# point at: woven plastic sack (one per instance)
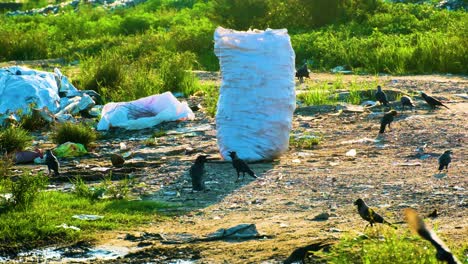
(257, 97)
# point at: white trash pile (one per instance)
(57, 100)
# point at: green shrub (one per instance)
(210, 98)
(5, 164)
(175, 72)
(76, 133)
(14, 139)
(24, 189)
(135, 24)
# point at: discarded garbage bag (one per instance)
(144, 112)
(257, 97)
(70, 149)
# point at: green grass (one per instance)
(385, 246)
(38, 225)
(305, 140)
(324, 93)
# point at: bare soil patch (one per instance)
(388, 173)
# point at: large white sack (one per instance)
(21, 86)
(144, 112)
(257, 97)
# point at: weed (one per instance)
(14, 139)
(77, 133)
(5, 164)
(160, 133)
(24, 189)
(210, 99)
(318, 94)
(306, 140)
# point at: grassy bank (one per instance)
(39, 225)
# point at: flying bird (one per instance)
(416, 224)
(369, 214)
(197, 171)
(444, 160)
(381, 96)
(240, 166)
(431, 101)
(52, 162)
(406, 101)
(387, 119)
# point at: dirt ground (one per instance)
(386, 171)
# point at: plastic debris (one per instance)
(70, 149)
(88, 217)
(144, 112)
(65, 226)
(351, 153)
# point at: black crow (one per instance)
(303, 72)
(406, 101)
(52, 162)
(381, 96)
(387, 119)
(416, 224)
(370, 215)
(240, 166)
(444, 160)
(197, 171)
(431, 101)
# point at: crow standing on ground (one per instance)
(381, 96)
(303, 72)
(370, 215)
(387, 119)
(52, 162)
(444, 160)
(416, 223)
(431, 101)
(406, 101)
(197, 171)
(240, 166)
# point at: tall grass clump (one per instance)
(77, 133)
(14, 139)
(318, 94)
(210, 98)
(24, 189)
(176, 75)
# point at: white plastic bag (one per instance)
(144, 112)
(257, 97)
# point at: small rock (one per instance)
(117, 160)
(321, 217)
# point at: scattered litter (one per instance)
(88, 217)
(416, 163)
(351, 153)
(440, 175)
(70, 149)
(425, 156)
(65, 226)
(335, 230)
(123, 146)
(144, 112)
(100, 169)
(368, 104)
(341, 69)
(458, 188)
(22, 157)
(283, 225)
(297, 161)
(464, 96)
(242, 231)
(361, 140)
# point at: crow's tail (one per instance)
(444, 105)
(441, 167)
(390, 224)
